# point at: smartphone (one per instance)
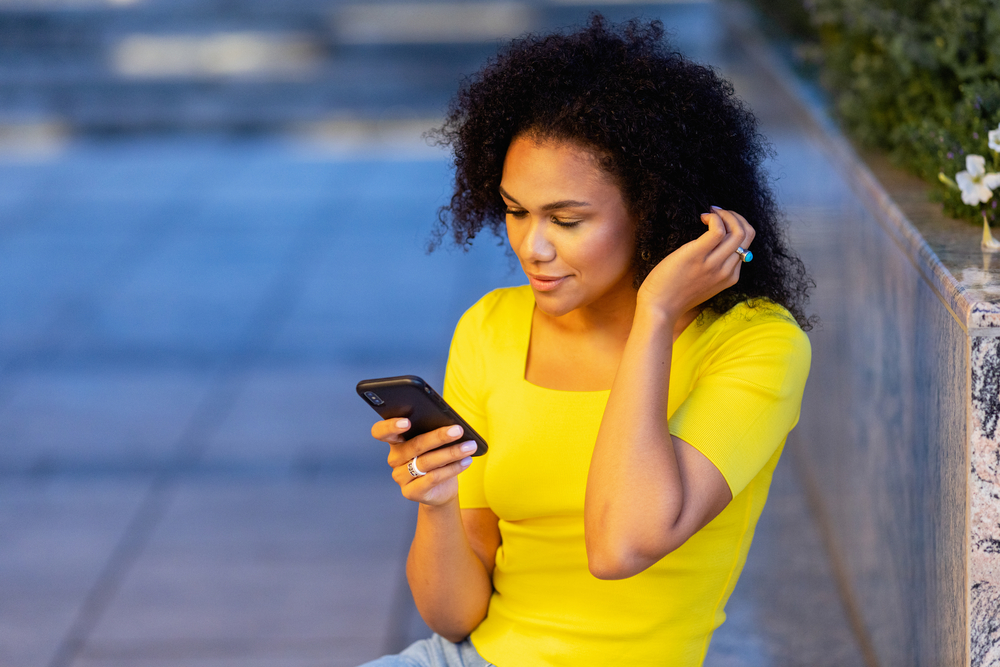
(411, 397)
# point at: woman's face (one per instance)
(568, 226)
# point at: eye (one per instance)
(565, 223)
(516, 212)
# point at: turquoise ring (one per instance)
(745, 255)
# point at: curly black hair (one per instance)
(671, 134)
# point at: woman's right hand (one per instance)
(441, 464)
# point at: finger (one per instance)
(736, 237)
(390, 430)
(433, 460)
(418, 487)
(725, 262)
(742, 220)
(401, 474)
(749, 232)
(727, 219)
(403, 452)
(705, 244)
(443, 456)
(710, 215)
(725, 256)
(736, 223)
(716, 231)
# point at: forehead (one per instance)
(554, 166)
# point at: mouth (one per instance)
(545, 283)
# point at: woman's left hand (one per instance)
(698, 270)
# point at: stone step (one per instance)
(256, 65)
(250, 65)
(405, 82)
(79, 27)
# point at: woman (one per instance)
(636, 394)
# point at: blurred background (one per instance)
(214, 218)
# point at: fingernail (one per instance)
(468, 447)
(455, 430)
(466, 462)
(716, 208)
(402, 423)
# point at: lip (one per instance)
(545, 283)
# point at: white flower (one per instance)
(994, 136)
(976, 185)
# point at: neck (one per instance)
(610, 316)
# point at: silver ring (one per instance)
(745, 255)
(414, 470)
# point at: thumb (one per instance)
(716, 227)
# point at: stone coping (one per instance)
(944, 250)
(947, 253)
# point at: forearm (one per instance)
(634, 488)
(451, 586)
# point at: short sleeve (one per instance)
(464, 383)
(746, 397)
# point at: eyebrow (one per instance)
(556, 205)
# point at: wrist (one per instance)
(654, 317)
(439, 508)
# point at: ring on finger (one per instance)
(745, 255)
(414, 471)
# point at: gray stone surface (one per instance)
(786, 587)
(285, 567)
(57, 538)
(126, 419)
(888, 415)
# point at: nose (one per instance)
(535, 247)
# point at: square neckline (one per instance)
(524, 337)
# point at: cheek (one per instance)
(513, 240)
(611, 252)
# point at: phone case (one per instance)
(411, 397)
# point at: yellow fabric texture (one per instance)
(736, 385)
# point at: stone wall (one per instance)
(898, 442)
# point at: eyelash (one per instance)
(518, 214)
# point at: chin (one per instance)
(552, 305)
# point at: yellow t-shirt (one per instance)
(736, 384)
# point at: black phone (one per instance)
(411, 397)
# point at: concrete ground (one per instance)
(186, 476)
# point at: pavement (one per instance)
(186, 476)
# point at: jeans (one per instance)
(434, 652)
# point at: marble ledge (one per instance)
(946, 251)
(984, 502)
(948, 255)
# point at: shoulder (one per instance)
(762, 322)
(494, 326)
(761, 338)
(498, 309)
